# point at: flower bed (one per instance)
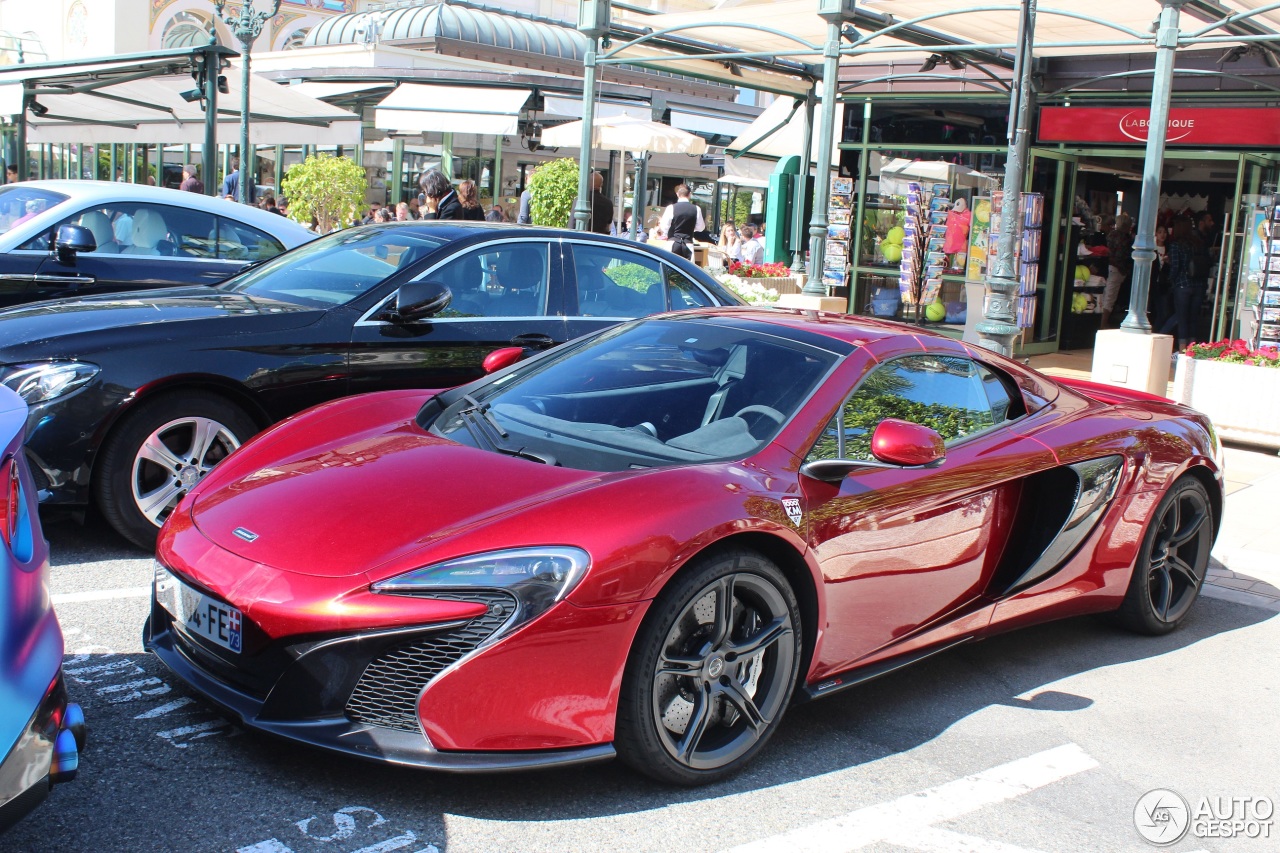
(1232, 384)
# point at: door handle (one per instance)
(533, 340)
(69, 280)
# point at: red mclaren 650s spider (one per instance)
(651, 541)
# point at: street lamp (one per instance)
(246, 26)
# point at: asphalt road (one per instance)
(1040, 740)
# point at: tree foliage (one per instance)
(552, 188)
(331, 189)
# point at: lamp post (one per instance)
(246, 26)
(835, 13)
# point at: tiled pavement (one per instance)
(1245, 566)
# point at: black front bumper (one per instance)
(325, 725)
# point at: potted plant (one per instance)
(1237, 386)
(756, 278)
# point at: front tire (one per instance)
(158, 453)
(712, 670)
(1173, 562)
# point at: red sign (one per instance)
(1197, 126)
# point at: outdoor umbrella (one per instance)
(625, 133)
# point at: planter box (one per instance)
(782, 284)
(1242, 401)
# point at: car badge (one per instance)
(249, 535)
(792, 506)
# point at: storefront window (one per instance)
(919, 123)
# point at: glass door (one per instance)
(1237, 278)
(1055, 326)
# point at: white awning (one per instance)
(320, 89)
(703, 123)
(416, 107)
(572, 108)
(764, 139)
(152, 110)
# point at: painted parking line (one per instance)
(101, 595)
(893, 822)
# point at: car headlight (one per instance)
(536, 577)
(38, 383)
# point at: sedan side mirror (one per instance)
(72, 239)
(417, 300)
(500, 358)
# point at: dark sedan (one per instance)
(134, 397)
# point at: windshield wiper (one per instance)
(477, 416)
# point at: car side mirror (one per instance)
(901, 442)
(894, 444)
(72, 239)
(500, 358)
(417, 300)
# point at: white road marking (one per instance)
(930, 839)
(209, 728)
(893, 821)
(167, 708)
(101, 595)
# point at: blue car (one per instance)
(41, 733)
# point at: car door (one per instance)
(147, 246)
(504, 293)
(905, 550)
(18, 276)
(612, 282)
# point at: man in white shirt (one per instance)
(680, 221)
(752, 249)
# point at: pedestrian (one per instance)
(752, 250)
(268, 202)
(402, 212)
(231, 184)
(470, 201)
(442, 201)
(600, 217)
(523, 215)
(1120, 264)
(119, 175)
(497, 214)
(11, 174)
(679, 221)
(190, 182)
(730, 243)
(372, 214)
(415, 208)
(1187, 290)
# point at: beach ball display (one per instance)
(895, 235)
(935, 312)
(892, 252)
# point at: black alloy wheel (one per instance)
(712, 670)
(1174, 560)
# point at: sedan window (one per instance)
(337, 268)
(616, 283)
(683, 293)
(19, 202)
(954, 396)
(506, 280)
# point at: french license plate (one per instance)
(199, 614)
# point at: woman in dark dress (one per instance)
(470, 201)
(442, 201)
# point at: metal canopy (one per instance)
(417, 107)
(139, 99)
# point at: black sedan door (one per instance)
(17, 277)
(149, 246)
(505, 293)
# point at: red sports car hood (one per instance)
(367, 494)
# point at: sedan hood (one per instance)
(63, 318)
(368, 494)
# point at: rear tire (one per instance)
(711, 672)
(158, 452)
(1172, 564)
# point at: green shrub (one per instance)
(552, 188)
(329, 188)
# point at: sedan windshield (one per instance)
(338, 268)
(19, 202)
(645, 394)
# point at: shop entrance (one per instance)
(1108, 186)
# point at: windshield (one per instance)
(336, 269)
(20, 202)
(644, 394)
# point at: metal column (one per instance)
(802, 189)
(1144, 243)
(813, 285)
(999, 324)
